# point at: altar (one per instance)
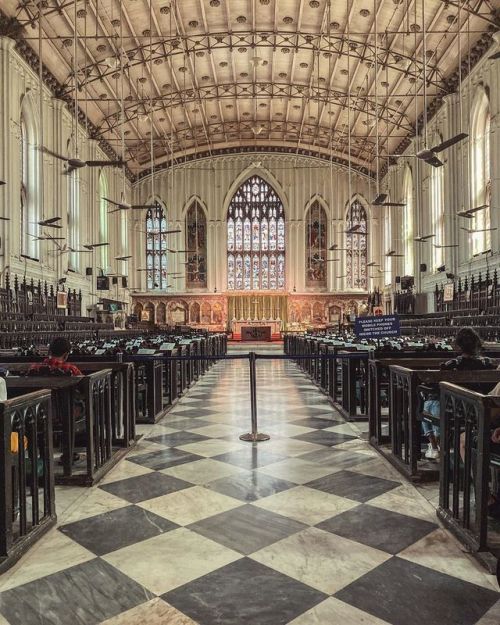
(256, 330)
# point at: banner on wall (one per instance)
(449, 291)
(377, 327)
(62, 299)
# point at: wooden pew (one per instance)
(94, 394)
(27, 502)
(405, 424)
(464, 486)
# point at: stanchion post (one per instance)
(254, 436)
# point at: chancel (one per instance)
(249, 312)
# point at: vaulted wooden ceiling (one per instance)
(174, 78)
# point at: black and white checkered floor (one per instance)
(197, 527)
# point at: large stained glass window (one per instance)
(255, 238)
(356, 246)
(156, 248)
(196, 244)
(316, 235)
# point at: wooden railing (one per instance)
(27, 508)
(464, 486)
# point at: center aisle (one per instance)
(197, 527)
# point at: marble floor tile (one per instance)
(492, 617)
(203, 471)
(318, 423)
(295, 470)
(190, 505)
(247, 528)
(181, 423)
(164, 459)
(306, 505)
(81, 595)
(192, 412)
(353, 485)
(393, 590)
(95, 501)
(333, 612)
(54, 553)
(441, 552)
(117, 529)
(177, 439)
(389, 531)
(171, 560)
(320, 560)
(244, 593)
(406, 500)
(284, 429)
(136, 489)
(154, 612)
(289, 447)
(325, 437)
(218, 430)
(124, 470)
(249, 486)
(343, 428)
(334, 459)
(250, 457)
(211, 447)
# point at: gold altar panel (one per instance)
(258, 307)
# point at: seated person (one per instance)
(469, 344)
(59, 351)
(56, 364)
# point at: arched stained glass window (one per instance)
(196, 244)
(29, 183)
(356, 246)
(255, 238)
(316, 243)
(481, 172)
(437, 215)
(74, 219)
(156, 249)
(103, 222)
(408, 223)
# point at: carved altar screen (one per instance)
(356, 246)
(316, 234)
(196, 244)
(255, 238)
(156, 249)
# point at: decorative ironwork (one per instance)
(256, 238)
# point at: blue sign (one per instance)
(377, 327)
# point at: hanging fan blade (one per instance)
(424, 238)
(91, 246)
(140, 207)
(331, 260)
(123, 257)
(5, 218)
(52, 153)
(120, 204)
(172, 231)
(449, 142)
(2, 183)
(433, 160)
(495, 56)
(392, 254)
(473, 231)
(396, 204)
(373, 264)
(49, 221)
(440, 247)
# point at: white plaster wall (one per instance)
(18, 81)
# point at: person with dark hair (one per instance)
(468, 343)
(59, 351)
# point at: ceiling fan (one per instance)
(393, 254)
(2, 183)
(91, 246)
(123, 257)
(125, 206)
(380, 200)
(78, 163)
(440, 247)
(373, 264)
(51, 222)
(469, 213)
(428, 155)
(423, 238)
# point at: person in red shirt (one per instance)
(59, 351)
